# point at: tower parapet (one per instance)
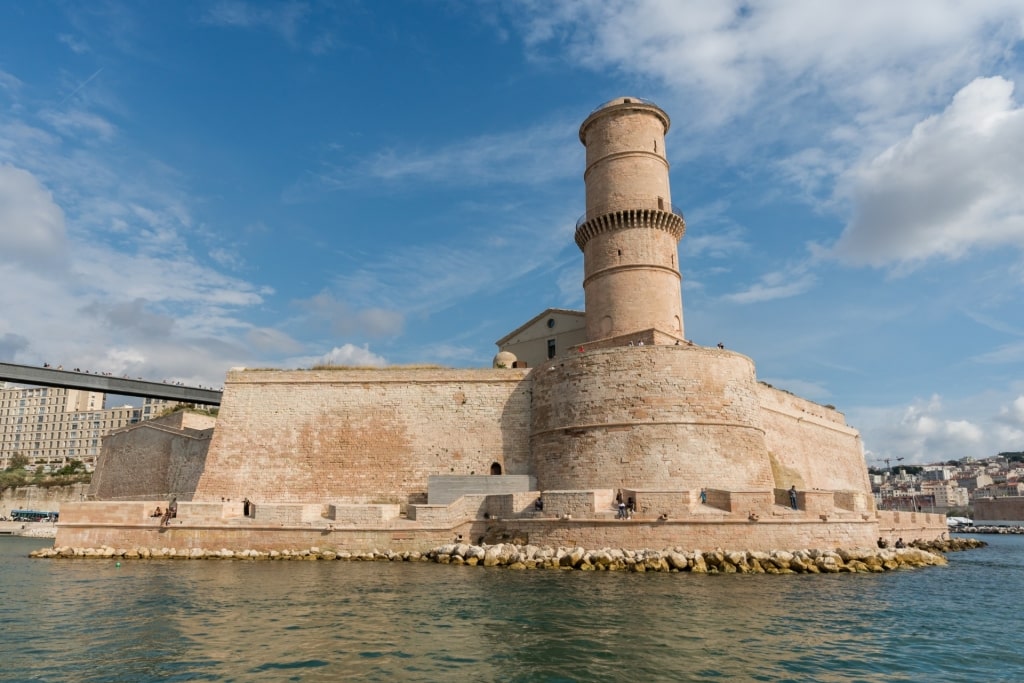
(630, 232)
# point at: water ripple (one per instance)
(95, 622)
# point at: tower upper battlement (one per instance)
(625, 103)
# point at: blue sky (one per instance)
(192, 186)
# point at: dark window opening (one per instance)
(495, 468)
(551, 322)
(661, 204)
(551, 348)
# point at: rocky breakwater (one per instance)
(994, 529)
(949, 545)
(513, 556)
(716, 561)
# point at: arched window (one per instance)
(495, 468)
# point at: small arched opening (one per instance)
(495, 468)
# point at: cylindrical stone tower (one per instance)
(630, 232)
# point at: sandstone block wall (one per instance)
(926, 526)
(810, 445)
(443, 489)
(363, 436)
(651, 417)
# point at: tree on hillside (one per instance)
(18, 462)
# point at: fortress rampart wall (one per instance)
(150, 461)
(1009, 509)
(363, 436)
(648, 417)
(810, 445)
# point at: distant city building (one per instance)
(977, 482)
(1000, 491)
(937, 472)
(51, 426)
(947, 495)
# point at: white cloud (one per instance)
(928, 430)
(352, 355)
(31, 224)
(1013, 414)
(726, 54)
(11, 344)
(953, 185)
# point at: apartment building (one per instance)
(52, 426)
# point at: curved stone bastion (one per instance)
(649, 417)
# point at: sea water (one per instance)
(222, 620)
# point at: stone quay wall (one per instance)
(363, 436)
(989, 510)
(43, 498)
(655, 417)
(911, 525)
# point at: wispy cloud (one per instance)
(77, 122)
(532, 156)
(108, 251)
(775, 285)
(301, 25)
(75, 44)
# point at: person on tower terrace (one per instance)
(792, 497)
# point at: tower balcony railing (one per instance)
(594, 214)
(629, 100)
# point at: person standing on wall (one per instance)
(792, 497)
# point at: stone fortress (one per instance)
(578, 409)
